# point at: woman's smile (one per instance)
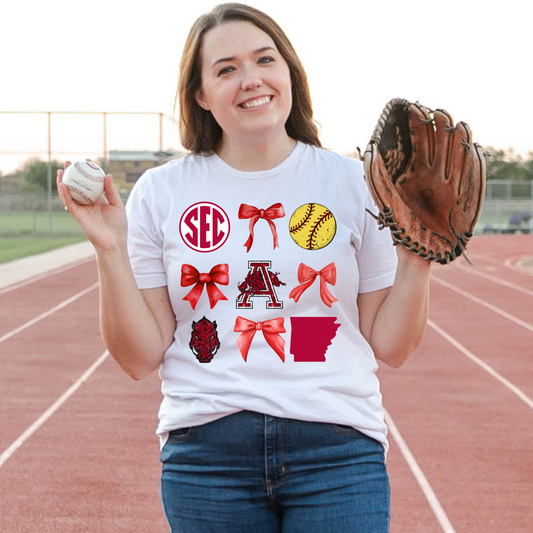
(255, 103)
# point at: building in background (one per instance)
(126, 167)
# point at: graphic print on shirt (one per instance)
(311, 337)
(204, 340)
(307, 276)
(312, 226)
(218, 274)
(204, 227)
(254, 214)
(259, 281)
(271, 330)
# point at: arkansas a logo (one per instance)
(204, 340)
(260, 281)
(204, 227)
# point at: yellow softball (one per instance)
(312, 226)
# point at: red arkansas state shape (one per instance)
(311, 336)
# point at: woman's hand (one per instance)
(408, 259)
(393, 320)
(104, 222)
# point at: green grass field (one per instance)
(24, 233)
(38, 222)
(12, 247)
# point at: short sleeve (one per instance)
(376, 258)
(145, 240)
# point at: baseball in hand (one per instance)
(85, 182)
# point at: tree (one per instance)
(35, 175)
(528, 165)
(506, 165)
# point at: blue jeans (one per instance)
(253, 473)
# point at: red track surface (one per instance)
(93, 465)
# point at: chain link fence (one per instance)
(29, 214)
(62, 135)
(509, 190)
(50, 135)
(506, 216)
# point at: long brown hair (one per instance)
(199, 131)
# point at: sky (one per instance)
(470, 57)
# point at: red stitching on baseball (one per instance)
(326, 216)
(83, 172)
(80, 192)
(298, 226)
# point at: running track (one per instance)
(77, 445)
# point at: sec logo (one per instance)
(204, 227)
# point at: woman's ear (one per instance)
(201, 100)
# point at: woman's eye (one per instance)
(225, 71)
(262, 60)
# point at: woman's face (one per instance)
(245, 81)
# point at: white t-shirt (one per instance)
(189, 229)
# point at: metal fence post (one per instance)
(49, 172)
(34, 214)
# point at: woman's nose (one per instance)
(251, 80)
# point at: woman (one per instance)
(272, 418)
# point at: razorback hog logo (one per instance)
(260, 281)
(204, 340)
(204, 227)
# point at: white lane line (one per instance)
(496, 280)
(50, 273)
(501, 312)
(430, 495)
(47, 313)
(14, 446)
(513, 388)
(513, 264)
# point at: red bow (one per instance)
(254, 214)
(271, 330)
(218, 274)
(307, 276)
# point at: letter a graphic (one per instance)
(259, 282)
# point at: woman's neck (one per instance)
(251, 155)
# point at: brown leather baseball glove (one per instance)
(427, 179)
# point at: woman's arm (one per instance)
(137, 326)
(393, 320)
